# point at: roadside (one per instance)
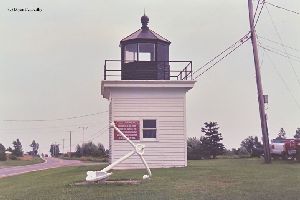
(21, 162)
(48, 164)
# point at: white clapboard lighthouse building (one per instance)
(147, 96)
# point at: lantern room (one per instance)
(145, 55)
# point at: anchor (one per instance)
(137, 149)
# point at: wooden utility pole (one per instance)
(63, 140)
(55, 149)
(70, 142)
(83, 128)
(263, 120)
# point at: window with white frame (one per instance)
(149, 128)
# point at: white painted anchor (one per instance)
(104, 174)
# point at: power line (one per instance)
(269, 48)
(222, 58)
(258, 2)
(95, 135)
(278, 53)
(58, 119)
(102, 129)
(49, 127)
(99, 133)
(283, 80)
(261, 8)
(280, 7)
(231, 46)
(267, 39)
(278, 35)
(234, 45)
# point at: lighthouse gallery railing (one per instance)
(179, 70)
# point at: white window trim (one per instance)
(142, 131)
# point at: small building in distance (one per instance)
(147, 96)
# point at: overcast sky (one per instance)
(51, 65)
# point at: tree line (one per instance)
(209, 145)
(83, 150)
(17, 150)
(282, 134)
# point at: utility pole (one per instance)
(54, 149)
(83, 128)
(70, 142)
(63, 140)
(263, 120)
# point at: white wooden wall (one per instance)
(167, 106)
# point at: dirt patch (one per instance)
(26, 157)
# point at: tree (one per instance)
(91, 149)
(9, 149)
(17, 151)
(2, 153)
(35, 146)
(211, 141)
(253, 146)
(78, 151)
(54, 150)
(248, 144)
(281, 134)
(101, 150)
(194, 149)
(297, 135)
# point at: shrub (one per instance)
(2, 153)
(12, 157)
(90, 149)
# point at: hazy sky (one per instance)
(51, 65)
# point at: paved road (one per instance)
(49, 163)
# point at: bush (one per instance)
(2, 153)
(12, 157)
(298, 154)
(3, 157)
(243, 153)
(90, 149)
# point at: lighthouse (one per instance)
(147, 100)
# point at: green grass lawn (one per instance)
(208, 179)
(9, 163)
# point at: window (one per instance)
(146, 52)
(149, 128)
(130, 53)
(139, 52)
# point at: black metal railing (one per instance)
(171, 70)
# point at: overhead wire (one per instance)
(99, 131)
(258, 2)
(281, 41)
(282, 79)
(275, 42)
(215, 60)
(279, 52)
(90, 124)
(280, 7)
(57, 119)
(97, 134)
(222, 58)
(260, 11)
